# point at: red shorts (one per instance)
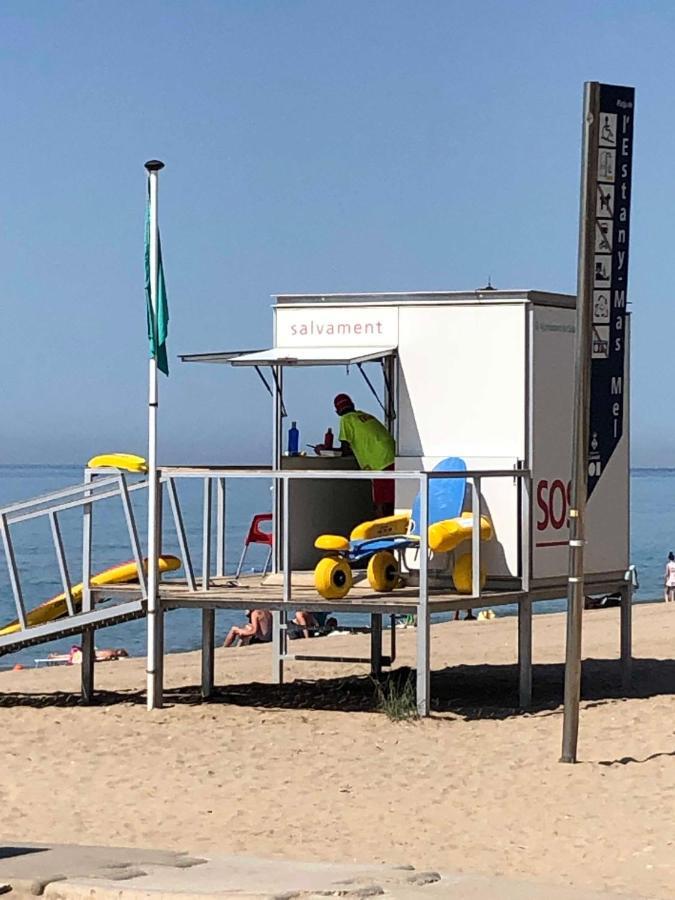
(384, 489)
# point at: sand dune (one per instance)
(311, 771)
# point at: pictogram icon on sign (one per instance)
(600, 342)
(607, 130)
(603, 236)
(606, 164)
(603, 271)
(601, 313)
(604, 208)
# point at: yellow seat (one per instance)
(381, 527)
(446, 535)
(331, 542)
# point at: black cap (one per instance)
(154, 165)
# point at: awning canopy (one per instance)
(294, 356)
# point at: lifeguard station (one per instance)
(483, 375)
(483, 378)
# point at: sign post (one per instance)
(599, 365)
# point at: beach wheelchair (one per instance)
(382, 542)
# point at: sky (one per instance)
(310, 146)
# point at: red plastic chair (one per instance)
(257, 536)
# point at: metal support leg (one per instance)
(280, 619)
(376, 644)
(392, 638)
(221, 520)
(279, 639)
(159, 663)
(88, 648)
(475, 539)
(208, 651)
(627, 636)
(423, 620)
(525, 652)
(206, 536)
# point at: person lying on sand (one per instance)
(257, 631)
(105, 654)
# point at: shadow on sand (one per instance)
(467, 692)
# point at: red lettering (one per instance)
(557, 521)
(542, 524)
(553, 504)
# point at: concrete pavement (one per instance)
(67, 872)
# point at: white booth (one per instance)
(483, 375)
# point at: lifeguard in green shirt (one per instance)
(367, 439)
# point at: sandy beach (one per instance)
(310, 771)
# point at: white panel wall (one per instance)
(607, 512)
(462, 387)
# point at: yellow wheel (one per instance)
(462, 574)
(383, 571)
(333, 577)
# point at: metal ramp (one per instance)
(99, 606)
(62, 628)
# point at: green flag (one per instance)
(157, 331)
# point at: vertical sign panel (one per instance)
(614, 153)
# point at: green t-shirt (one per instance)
(371, 443)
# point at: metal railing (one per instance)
(282, 480)
(282, 527)
(98, 485)
(50, 506)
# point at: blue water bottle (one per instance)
(293, 440)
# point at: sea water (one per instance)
(652, 536)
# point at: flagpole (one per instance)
(154, 634)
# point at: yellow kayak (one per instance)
(57, 607)
(128, 461)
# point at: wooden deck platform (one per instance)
(268, 593)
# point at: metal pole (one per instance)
(180, 533)
(475, 538)
(13, 572)
(525, 652)
(525, 604)
(220, 527)
(208, 615)
(62, 562)
(280, 617)
(87, 641)
(133, 532)
(206, 535)
(423, 623)
(627, 634)
(277, 456)
(376, 644)
(208, 651)
(153, 668)
(582, 376)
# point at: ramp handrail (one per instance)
(91, 490)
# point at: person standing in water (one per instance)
(669, 579)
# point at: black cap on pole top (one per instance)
(154, 165)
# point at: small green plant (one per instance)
(396, 699)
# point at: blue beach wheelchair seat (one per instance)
(382, 540)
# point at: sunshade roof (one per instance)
(294, 356)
